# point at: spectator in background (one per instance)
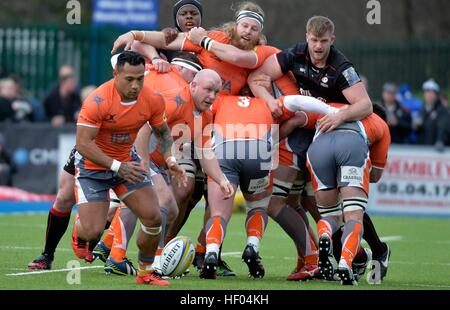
(38, 114)
(12, 106)
(413, 105)
(398, 117)
(63, 101)
(7, 167)
(433, 127)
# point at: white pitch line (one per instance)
(231, 254)
(391, 238)
(51, 271)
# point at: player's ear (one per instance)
(115, 73)
(306, 36)
(333, 37)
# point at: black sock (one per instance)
(57, 223)
(371, 236)
(108, 223)
(92, 244)
(337, 243)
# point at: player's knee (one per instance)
(262, 203)
(93, 232)
(64, 203)
(354, 207)
(152, 218)
(327, 211)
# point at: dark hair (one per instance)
(379, 110)
(131, 58)
(177, 6)
(189, 57)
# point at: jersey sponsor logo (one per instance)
(257, 186)
(120, 138)
(351, 76)
(352, 174)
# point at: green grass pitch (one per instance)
(420, 258)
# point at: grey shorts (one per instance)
(339, 159)
(94, 185)
(246, 163)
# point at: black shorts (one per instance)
(69, 167)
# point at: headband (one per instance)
(190, 65)
(252, 15)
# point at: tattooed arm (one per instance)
(165, 143)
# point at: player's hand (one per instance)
(227, 188)
(170, 34)
(330, 122)
(132, 172)
(161, 65)
(197, 34)
(178, 173)
(126, 39)
(275, 107)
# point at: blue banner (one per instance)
(139, 14)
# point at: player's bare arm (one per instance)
(270, 68)
(130, 171)
(226, 52)
(156, 39)
(211, 167)
(142, 143)
(165, 143)
(360, 107)
(151, 54)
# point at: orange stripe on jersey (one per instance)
(118, 123)
(241, 117)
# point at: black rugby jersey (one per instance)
(328, 82)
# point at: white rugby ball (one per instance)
(177, 256)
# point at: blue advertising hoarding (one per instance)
(139, 14)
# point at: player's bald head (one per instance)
(207, 75)
(204, 88)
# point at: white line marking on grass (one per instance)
(51, 271)
(391, 238)
(231, 254)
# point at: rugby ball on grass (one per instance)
(177, 256)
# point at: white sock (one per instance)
(254, 242)
(213, 247)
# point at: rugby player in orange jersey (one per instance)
(109, 121)
(346, 170)
(189, 118)
(218, 49)
(242, 144)
(113, 250)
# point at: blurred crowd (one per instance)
(60, 105)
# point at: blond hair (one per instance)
(319, 25)
(230, 28)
